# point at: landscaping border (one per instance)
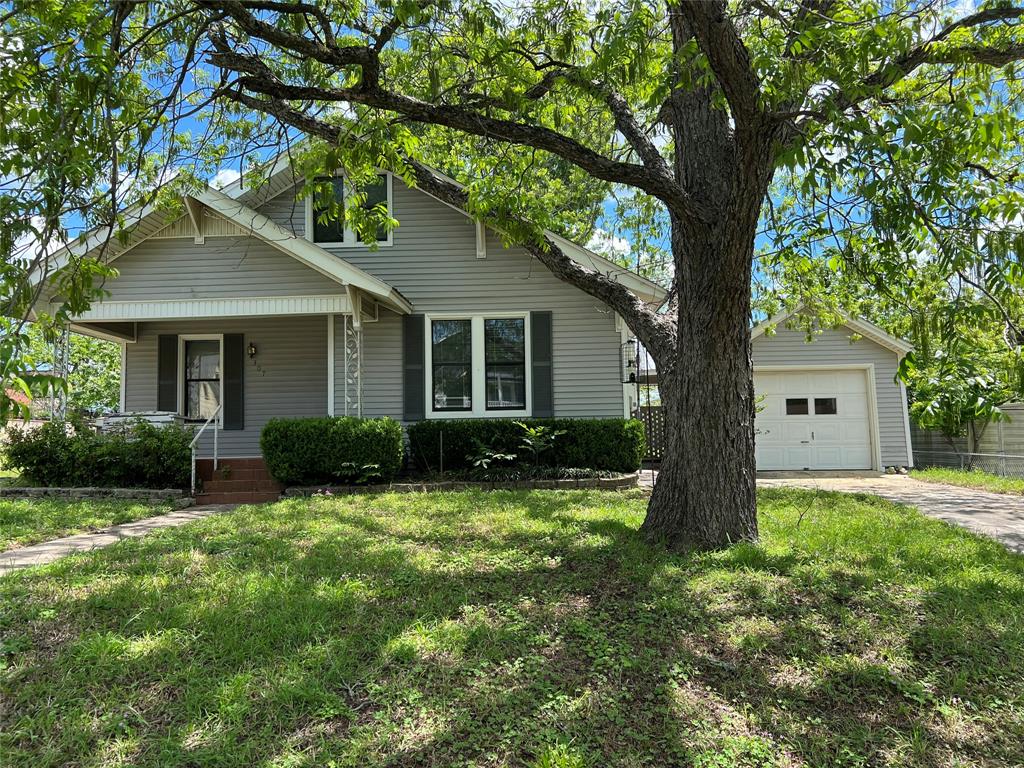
(78, 494)
(618, 482)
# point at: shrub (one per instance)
(140, 455)
(616, 445)
(325, 450)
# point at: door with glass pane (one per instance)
(202, 385)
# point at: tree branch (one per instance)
(728, 56)
(927, 53)
(261, 80)
(650, 327)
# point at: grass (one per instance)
(971, 478)
(515, 628)
(28, 521)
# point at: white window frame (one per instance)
(351, 240)
(219, 421)
(478, 367)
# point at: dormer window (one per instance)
(333, 232)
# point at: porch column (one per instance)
(353, 349)
(61, 363)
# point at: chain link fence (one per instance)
(1003, 464)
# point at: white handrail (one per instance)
(195, 441)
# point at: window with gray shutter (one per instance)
(413, 395)
(541, 364)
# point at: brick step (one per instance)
(238, 497)
(251, 475)
(260, 485)
(235, 469)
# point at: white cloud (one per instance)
(607, 244)
(224, 178)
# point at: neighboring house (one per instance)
(246, 307)
(830, 403)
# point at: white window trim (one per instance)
(219, 421)
(478, 367)
(351, 240)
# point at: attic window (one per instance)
(336, 231)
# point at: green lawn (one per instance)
(525, 629)
(24, 522)
(971, 478)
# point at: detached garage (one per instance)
(832, 402)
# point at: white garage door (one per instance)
(813, 420)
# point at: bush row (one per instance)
(337, 450)
(616, 445)
(72, 455)
(314, 451)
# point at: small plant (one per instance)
(358, 474)
(483, 456)
(538, 439)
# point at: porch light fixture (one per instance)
(629, 365)
(251, 350)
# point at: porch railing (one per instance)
(195, 442)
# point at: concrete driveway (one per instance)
(998, 515)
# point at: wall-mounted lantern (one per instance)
(251, 350)
(629, 362)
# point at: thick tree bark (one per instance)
(705, 495)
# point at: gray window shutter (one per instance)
(540, 350)
(167, 373)
(413, 394)
(233, 395)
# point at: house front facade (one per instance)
(248, 307)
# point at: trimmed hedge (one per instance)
(329, 449)
(616, 445)
(58, 455)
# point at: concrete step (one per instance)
(237, 497)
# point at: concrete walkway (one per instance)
(48, 551)
(998, 515)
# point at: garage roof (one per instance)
(863, 327)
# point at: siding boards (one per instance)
(382, 366)
(433, 263)
(287, 378)
(223, 267)
(833, 347)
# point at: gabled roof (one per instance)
(281, 177)
(145, 221)
(301, 249)
(236, 203)
(866, 329)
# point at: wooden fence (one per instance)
(653, 419)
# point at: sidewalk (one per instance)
(48, 551)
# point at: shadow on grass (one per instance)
(486, 628)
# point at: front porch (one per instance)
(247, 370)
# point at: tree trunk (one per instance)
(704, 496)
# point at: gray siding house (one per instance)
(832, 402)
(246, 308)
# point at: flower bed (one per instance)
(611, 482)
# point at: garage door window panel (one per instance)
(825, 406)
(796, 406)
